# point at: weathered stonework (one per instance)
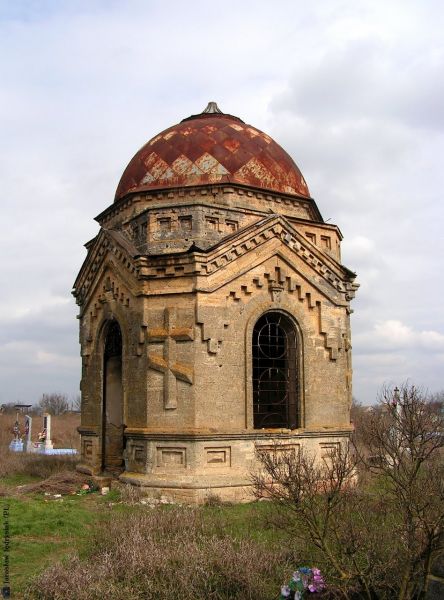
(186, 272)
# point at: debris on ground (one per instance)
(153, 502)
(67, 482)
(88, 488)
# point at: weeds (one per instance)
(34, 465)
(163, 554)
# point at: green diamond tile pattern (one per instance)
(209, 149)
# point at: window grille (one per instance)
(275, 373)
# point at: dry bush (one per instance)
(35, 465)
(164, 554)
(6, 435)
(11, 463)
(129, 494)
(406, 437)
(379, 539)
(343, 531)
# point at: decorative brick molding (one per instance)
(280, 282)
(213, 321)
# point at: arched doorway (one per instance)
(112, 408)
(275, 373)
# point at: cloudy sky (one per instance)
(353, 90)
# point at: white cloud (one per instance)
(392, 334)
(351, 90)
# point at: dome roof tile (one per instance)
(212, 147)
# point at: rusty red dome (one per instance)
(212, 147)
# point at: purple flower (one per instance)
(306, 578)
(285, 591)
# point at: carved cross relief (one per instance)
(170, 334)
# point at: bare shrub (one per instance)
(405, 438)
(378, 538)
(34, 465)
(76, 403)
(6, 425)
(130, 494)
(339, 527)
(163, 554)
(213, 499)
(8, 408)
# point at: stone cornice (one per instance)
(187, 193)
(244, 241)
(254, 435)
(202, 264)
(278, 227)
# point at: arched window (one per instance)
(275, 372)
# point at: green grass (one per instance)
(17, 479)
(44, 530)
(245, 521)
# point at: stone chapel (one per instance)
(214, 315)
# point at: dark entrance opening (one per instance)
(275, 373)
(112, 415)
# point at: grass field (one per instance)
(45, 529)
(69, 544)
(232, 545)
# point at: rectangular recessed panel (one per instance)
(139, 453)
(87, 448)
(279, 449)
(218, 457)
(171, 458)
(328, 448)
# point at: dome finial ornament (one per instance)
(212, 108)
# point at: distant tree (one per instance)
(8, 408)
(360, 416)
(54, 403)
(437, 401)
